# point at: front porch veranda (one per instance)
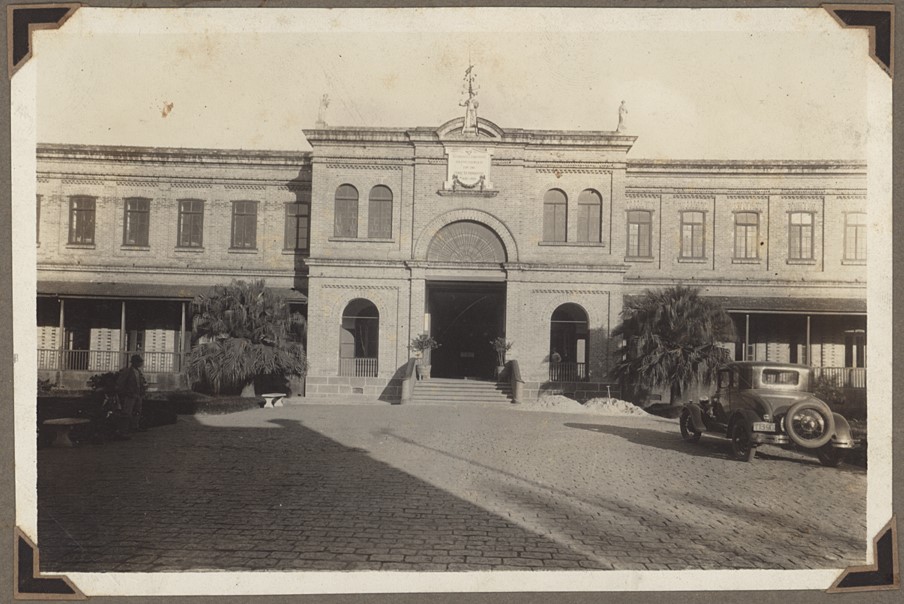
(85, 329)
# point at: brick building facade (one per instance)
(466, 232)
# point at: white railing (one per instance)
(360, 367)
(841, 377)
(567, 372)
(102, 361)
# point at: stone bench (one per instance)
(61, 427)
(273, 399)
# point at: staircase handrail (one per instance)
(515, 380)
(408, 381)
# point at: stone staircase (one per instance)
(438, 391)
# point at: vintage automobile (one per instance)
(759, 402)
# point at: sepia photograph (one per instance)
(322, 301)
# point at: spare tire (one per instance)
(809, 424)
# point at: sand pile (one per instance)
(597, 406)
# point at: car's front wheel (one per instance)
(831, 456)
(686, 424)
(741, 446)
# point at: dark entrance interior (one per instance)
(465, 317)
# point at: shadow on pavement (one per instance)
(273, 496)
(709, 446)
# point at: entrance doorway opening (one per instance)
(464, 317)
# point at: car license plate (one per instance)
(763, 427)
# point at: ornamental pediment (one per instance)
(455, 130)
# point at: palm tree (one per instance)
(243, 332)
(671, 339)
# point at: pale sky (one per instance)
(762, 84)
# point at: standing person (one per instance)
(131, 386)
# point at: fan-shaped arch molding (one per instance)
(493, 224)
(466, 241)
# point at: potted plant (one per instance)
(421, 346)
(501, 346)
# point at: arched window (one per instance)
(590, 206)
(359, 338)
(555, 214)
(568, 344)
(346, 212)
(379, 213)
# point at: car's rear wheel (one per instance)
(686, 424)
(830, 456)
(809, 425)
(741, 446)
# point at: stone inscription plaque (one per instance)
(469, 169)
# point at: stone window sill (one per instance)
(360, 240)
(190, 250)
(640, 259)
(80, 246)
(573, 243)
(703, 260)
(801, 261)
(242, 250)
(746, 261)
(135, 248)
(296, 252)
(851, 262)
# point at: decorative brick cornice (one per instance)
(573, 292)
(82, 181)
(361, 166)
(852, 197)
(810, 197)
(642, 195)
(698, 196)
(588, 170)
(759, 197)
(245, 187)
(359, 286)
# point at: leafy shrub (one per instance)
(826, 390)
(44, 386)
(103, 382)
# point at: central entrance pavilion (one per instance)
(464, 318)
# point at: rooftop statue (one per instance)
(321, 111)
(622, 117)
(470, 104)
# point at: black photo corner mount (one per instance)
(30, 584)
(879, 19)
(21, 20)
(882, 573)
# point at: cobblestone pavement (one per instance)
(469, 487)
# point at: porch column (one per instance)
(122, 334)
(809, 348)
(747, 337)
(182, 338)
(62, 363)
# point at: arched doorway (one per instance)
(359, 338)
(569, 346)
(464, 315)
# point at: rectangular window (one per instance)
(136, 221)
(297, 217)
(746, 236)
(692, 235)
(81, 220)
(191, 223)
(640, 226)
(244, 225)
(800, 236)
(855, 236)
